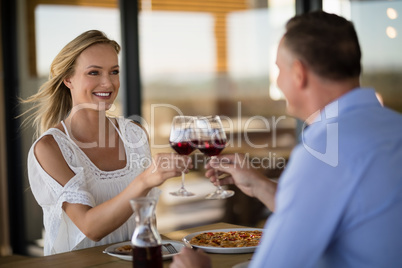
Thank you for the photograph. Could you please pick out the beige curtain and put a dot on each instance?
(5, 248)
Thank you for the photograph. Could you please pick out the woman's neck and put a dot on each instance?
(88, 125)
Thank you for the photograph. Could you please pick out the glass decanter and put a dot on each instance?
(146, 241)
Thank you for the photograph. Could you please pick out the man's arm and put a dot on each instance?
(310, 201)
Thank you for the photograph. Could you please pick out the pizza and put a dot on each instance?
(124, 249)
(231, 239)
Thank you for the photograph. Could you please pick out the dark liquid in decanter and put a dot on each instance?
(147, 257)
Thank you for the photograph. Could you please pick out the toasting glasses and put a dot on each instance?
(211, 140)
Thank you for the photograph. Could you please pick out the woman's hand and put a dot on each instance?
(165, 166)
(191, 258)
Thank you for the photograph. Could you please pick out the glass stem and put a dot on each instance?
(218, 184)
(182, 180)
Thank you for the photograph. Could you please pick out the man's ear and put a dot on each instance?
(300, 74)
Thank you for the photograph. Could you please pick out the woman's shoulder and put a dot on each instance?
(48, 143)
(49, 154)
(45, 144)
(50, 136)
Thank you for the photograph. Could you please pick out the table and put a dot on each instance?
(91, 257)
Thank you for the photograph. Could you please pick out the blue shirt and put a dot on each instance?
(339, 200)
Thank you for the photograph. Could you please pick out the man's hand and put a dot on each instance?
(235, 169)
(191, 258)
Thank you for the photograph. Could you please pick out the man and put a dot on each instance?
(339, 200)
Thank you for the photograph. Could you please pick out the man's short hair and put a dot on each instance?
(326, 43)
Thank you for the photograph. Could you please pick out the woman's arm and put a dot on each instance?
(97, 222)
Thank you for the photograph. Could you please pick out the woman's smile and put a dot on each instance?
(103, 95)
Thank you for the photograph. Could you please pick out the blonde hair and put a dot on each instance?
(53, 101)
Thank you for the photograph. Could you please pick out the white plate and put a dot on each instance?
(223, 250)
(165, 254)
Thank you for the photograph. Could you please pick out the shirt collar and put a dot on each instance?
(349, 101)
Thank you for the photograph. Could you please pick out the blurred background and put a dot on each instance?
(192, 57)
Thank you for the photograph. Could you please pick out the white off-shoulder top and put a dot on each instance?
(90, 186)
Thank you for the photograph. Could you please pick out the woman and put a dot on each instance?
(85, 167)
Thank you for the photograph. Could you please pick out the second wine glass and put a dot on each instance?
(211, 139)
(182, 139)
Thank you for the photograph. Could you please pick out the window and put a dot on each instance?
(214, 57)
(59, 22)
(379, 28)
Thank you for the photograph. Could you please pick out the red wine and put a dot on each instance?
(183, 147)
(213, 147)
(147, 257)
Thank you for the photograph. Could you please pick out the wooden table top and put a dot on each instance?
(95, 257)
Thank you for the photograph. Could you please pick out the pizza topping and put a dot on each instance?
(124, 249)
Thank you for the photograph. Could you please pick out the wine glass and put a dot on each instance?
(182, 139)
(211, 140)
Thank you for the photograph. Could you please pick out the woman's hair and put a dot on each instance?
(53, 101)
(326, 43)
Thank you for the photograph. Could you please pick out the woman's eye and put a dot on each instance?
(93, 73)
(115, 72)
